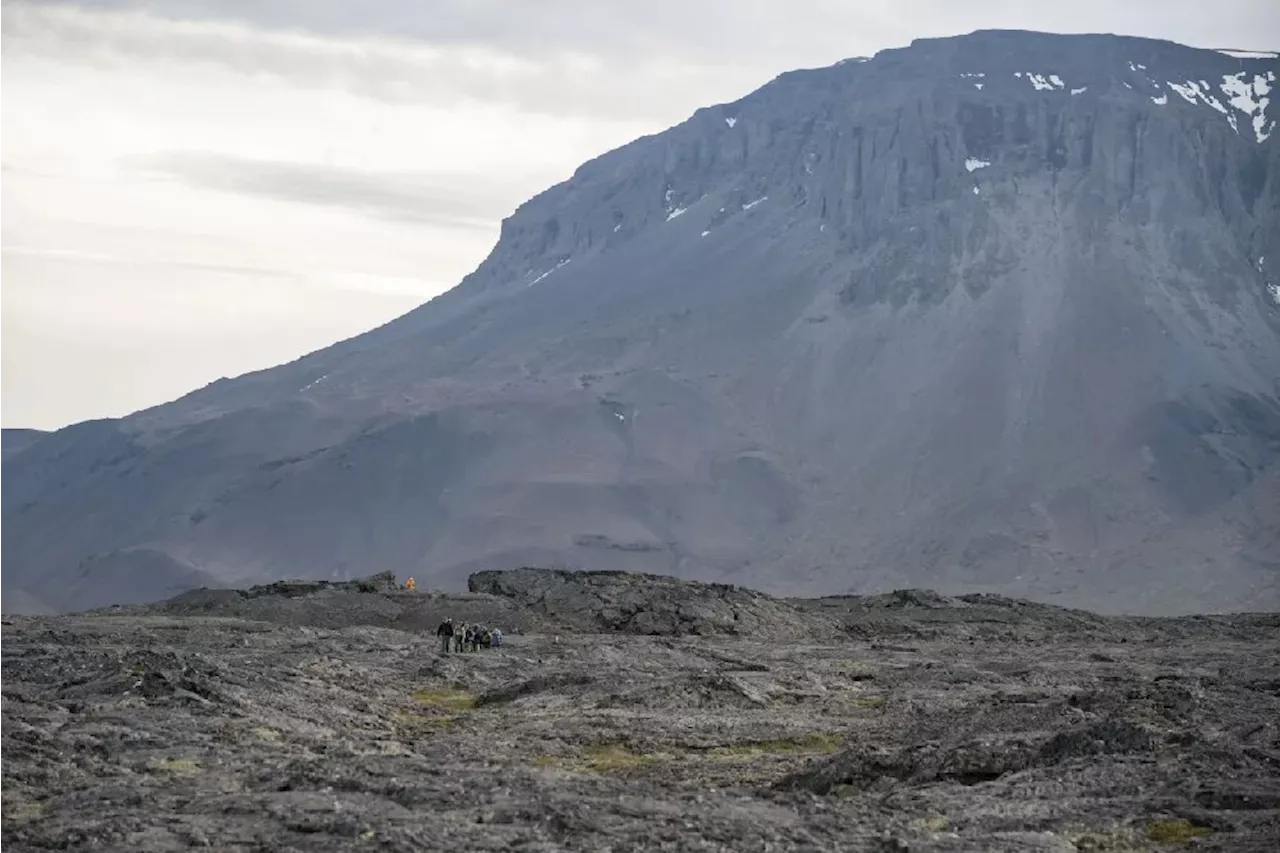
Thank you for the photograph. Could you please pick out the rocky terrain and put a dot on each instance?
(921, 722)
(994, 313)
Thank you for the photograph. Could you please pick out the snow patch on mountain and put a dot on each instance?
(973, 164)
(1251, 99)
(1251, 54)
(1041, 82)
(548, 272)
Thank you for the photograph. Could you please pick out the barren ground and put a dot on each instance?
(154, 732)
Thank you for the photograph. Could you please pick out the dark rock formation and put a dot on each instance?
(623, 602)
(995, 313)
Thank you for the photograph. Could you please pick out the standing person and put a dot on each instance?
(460, 637)
(497, 638)
(445, 634)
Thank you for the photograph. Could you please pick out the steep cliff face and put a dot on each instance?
(984, 313)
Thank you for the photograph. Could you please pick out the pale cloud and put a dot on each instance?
(452, 200)
(198, 188)
(572, 83)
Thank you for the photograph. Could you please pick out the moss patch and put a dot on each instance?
(445, 700)
(931, 824)
(1174, 831)
(811, 743)
(21, 812)
(265, 734)
(174, 766)
(601, 758)
(871, 702)
(415, 722)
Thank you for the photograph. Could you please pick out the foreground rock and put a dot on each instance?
(157, 732)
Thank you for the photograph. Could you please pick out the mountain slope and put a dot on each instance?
(988, 313)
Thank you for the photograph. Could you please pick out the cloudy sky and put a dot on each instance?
(198, 188)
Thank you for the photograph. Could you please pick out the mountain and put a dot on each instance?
(13, 440)
(985, 314)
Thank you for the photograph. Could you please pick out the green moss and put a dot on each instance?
(174, 766)
(813, 742)
(265, 734)
(871, 702)
(418, 722)
(445, 700)
(1174, 831)
(21, 812)
(932, 824)
(601, 758)
(606, 757)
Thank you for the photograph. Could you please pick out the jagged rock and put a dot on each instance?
(631, 603)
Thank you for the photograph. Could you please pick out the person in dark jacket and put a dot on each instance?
(445, 635)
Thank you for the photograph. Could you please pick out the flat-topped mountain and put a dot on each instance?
(994, 313)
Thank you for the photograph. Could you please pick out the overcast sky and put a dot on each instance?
(198, 188)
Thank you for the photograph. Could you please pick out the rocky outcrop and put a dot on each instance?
(376, 600)
(632, 603)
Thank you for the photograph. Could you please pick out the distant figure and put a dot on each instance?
(411, 584)
(445, 633)
(460, 638)
(497, 638)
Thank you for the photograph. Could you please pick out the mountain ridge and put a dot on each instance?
(989, 313)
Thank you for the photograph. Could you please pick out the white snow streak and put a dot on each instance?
(731, 121)
(1251, 54)
(1080, 91)
(752, 204)
(705, 233)
(976, 190)
(978, 86)
(548, 272)
(1039, 82)
(973, 164)
(978, 74)
(1189, 90)
(1160, 101)
(617, 228)
(1055, 80)
(313, 383)
(1274, 290)
(673, 214)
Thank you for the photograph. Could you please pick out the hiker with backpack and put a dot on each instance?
(445, 634)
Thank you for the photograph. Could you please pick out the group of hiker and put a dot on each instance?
(467, 638)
